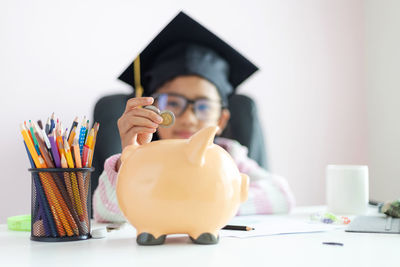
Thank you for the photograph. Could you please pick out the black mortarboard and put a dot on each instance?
(185, 47)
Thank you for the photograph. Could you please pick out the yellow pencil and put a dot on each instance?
(56, 202)
(96, 130)
(76, 151)
(74, 182)
(87, 148)
(60, 147)
(31, 147)
(67, 180)
(39, 162)
(82, 185)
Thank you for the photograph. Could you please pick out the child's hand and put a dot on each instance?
(138, 123)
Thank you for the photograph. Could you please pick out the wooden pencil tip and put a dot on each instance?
(66, 146)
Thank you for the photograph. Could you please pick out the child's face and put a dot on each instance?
(188, 123)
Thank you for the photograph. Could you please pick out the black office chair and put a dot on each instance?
(244, 126)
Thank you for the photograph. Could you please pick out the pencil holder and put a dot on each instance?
(61, 204)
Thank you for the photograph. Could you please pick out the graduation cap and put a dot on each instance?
(184, 47)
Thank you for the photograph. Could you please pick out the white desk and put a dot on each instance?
(120, 249)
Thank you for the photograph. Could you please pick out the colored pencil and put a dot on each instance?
(39, 123)
(52, 123)
(47, 127)
(31, 147)
(74, 181)
(42, 148)
(81, 184)
(49, 223)
(74, 125)
(54, 150)
(61, 207)
(71, 136)
(237, 227)
(96, 129)
(82, 136)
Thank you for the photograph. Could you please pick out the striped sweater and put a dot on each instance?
(268, 193)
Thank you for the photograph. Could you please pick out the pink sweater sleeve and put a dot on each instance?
(105, 204)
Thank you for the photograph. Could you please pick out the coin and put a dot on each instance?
(168, 118)
(153, 108)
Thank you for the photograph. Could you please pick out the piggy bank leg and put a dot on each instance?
(147, 239)
(205, 239)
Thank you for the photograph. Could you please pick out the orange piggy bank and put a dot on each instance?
(188, 186)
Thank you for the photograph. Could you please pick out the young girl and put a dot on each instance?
(194, 82)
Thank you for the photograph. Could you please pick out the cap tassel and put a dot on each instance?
(136, 70)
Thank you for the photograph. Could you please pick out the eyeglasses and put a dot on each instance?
(205, 109)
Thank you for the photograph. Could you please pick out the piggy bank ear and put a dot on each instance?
(198, 144)
(128, 151)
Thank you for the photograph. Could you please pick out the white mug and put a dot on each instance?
(347, 189)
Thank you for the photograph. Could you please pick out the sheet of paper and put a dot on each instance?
(271, 225)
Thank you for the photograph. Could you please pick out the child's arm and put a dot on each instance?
(268, 193)
(136, 125)
(105, 204)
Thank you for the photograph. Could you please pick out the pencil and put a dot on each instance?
(68, 208)
(65, 135)
(74, 125)
(52, 123)
(74, 182)
(96, 129)
(60, 144)
(61, 207)
(57, 203)
(237, 227)
(31, 147)
(39, 163)
(74, 221)
(67, 180)
(42, 147)
(35, 142)
(87, 129)
(41, 200)
(71, 136)
(46, 142)
(40, 124)
(82, 136)
(47, 127)
(54, 150)
(87, 149)
(78, 164)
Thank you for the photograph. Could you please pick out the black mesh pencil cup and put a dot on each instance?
(61, 204)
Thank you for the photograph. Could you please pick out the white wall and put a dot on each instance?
(383, 87)
(63, 55)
